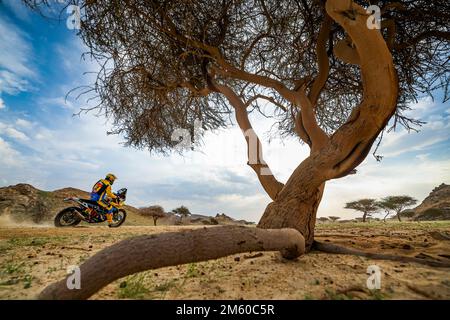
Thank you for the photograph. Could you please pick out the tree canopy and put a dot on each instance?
(160, 60)
(397, 204)
(155, 212)
(182, 211)
(366, 206)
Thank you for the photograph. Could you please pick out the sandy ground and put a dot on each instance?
(32, 257)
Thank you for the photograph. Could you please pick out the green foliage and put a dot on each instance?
(363, 205)
(366, 206)
(154, 212)
(333, 295)
(192, 270)
(11, 266)
(182, 211)
(26, 242)
(27, 281)
(133, 287)
(396, 203)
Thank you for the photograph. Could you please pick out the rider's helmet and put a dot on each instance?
(111, 177)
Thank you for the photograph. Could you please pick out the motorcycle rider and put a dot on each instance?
(102, 194)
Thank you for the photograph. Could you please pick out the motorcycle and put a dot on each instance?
(91, 212)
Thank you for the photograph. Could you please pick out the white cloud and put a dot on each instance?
(23, 123)
(15, 58)
(435, 130)
(9, 156)
(2, 104)
(12, 132)
(16, 134)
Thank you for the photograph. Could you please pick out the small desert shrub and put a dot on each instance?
(12, 267)
(192, 270)
(133, 287)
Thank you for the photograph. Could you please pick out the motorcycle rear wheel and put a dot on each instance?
(67, 217)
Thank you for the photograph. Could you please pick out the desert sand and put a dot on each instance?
(33, 257)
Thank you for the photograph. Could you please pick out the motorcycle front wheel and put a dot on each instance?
(67, 217)
(118, 218)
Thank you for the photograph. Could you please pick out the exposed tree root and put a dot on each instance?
(142, 253)
(336, 249)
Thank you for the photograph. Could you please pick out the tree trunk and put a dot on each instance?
(296, 204)
(364, 216)
(154, 221)
(398, 217)
(384, 219)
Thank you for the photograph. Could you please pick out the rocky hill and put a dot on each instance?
(24, 203)
(436, 206)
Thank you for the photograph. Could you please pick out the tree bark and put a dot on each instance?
(398, 216)
(364, 217)
(297, 203)
(167, 249)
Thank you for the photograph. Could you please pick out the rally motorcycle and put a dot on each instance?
(91, 212)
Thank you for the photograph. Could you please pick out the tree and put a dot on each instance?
(366, 206)
(397, 204)
(182, 211)
(314, 65)
(334, 218)
(323, 219)
(155, 212)
(387, 206)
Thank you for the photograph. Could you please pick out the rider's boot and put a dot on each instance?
(109, 218)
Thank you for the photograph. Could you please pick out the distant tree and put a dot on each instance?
(323, 219)
(397, 204)
(154, 212)
(387, 206)
(334, 218)
(182, 211)
(366, 206)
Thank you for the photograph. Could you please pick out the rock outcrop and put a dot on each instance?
(436, 206)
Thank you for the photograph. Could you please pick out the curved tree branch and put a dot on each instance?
(300, 129)
(315, 133)
(306, 125)
(380, 85)
(142, 253)
(255, 155)
(264, 97)
(322, 60)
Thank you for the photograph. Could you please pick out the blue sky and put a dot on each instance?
(41, 143)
